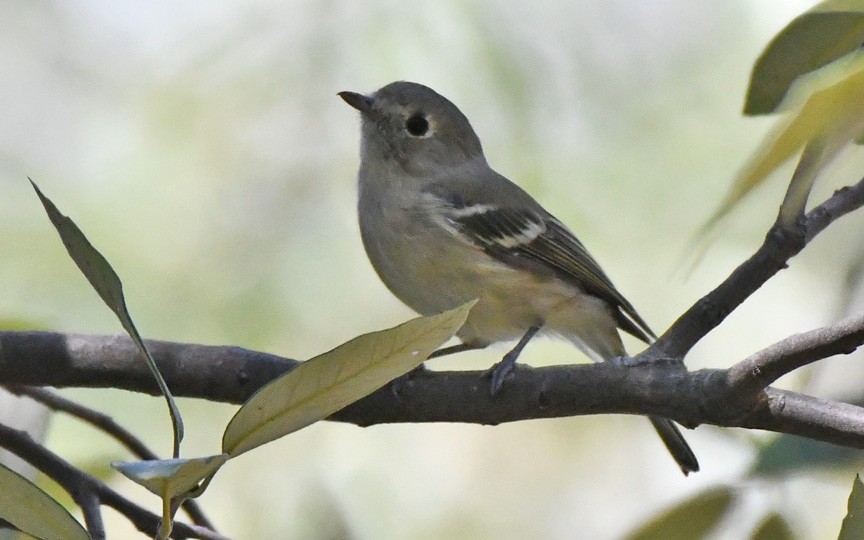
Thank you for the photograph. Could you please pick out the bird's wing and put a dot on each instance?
(535, 240)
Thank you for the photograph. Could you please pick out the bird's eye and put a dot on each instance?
(417, 125)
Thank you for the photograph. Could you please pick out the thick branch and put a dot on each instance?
(233, 374)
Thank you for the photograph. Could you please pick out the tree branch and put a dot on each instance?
(781, 244)
(759, 370)
(107, 424)
(798, 414)
(663, 389)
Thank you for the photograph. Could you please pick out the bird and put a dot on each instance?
(442, 228)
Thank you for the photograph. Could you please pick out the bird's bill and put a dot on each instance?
(358, 101)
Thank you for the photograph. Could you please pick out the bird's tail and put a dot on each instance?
(602, 342)
(676, 444)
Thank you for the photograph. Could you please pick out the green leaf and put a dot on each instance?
(814, 39)
(853, 523)
(173, 480)
(171, 477)
(107, 284)
(773, 527)
(691, 520)
(327, 383)
(788, 454)
(31, 510)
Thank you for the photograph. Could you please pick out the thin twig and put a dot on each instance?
(845, 200)
(781, 244)
(766, 366)
(91, 508)
(83, 487)
(107, 424)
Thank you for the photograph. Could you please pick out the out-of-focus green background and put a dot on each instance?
(202, 148)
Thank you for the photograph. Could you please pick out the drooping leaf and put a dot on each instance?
(327, 383)
(773, 527)
(33, 511)
(812, 40)
(173, 480)
(788, 454)
(170, 477)
(107, 284)
(690, 520)
(853, 523)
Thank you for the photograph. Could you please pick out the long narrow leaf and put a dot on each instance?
(327, 383)
(107, 284)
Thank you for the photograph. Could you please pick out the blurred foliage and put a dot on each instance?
(815, 68)
(817, 37)
(773, 527)
(790, 454)
(690, 520)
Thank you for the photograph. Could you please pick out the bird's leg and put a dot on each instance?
(502, 369)
(453, 349)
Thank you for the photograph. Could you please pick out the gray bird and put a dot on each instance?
(442, 228)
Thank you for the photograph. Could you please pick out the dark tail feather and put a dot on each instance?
(676, 444)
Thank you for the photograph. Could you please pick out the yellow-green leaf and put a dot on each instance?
(33, 511)
(170, 477)
(816, 38)
(327, 383)
(831, 116)
(690, 520)
(853, 523)
(107, 284)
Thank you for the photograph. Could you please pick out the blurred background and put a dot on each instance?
(202, 148)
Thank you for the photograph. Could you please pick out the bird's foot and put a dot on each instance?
(500, 371)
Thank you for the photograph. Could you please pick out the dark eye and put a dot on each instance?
(417, 125)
